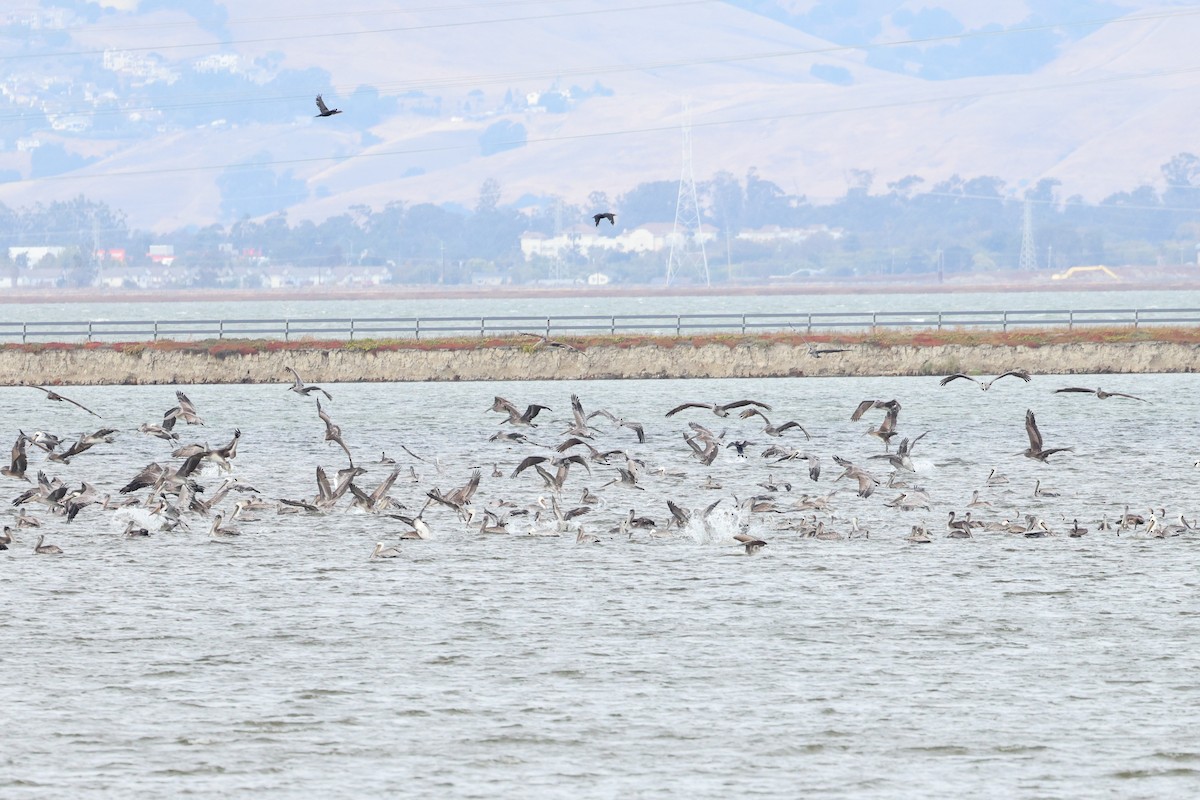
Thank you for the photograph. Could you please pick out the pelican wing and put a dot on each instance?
(683, 406)
(1031, 428)
(955, 376)
(324, 109)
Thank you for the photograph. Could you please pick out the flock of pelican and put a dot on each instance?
(594, 455)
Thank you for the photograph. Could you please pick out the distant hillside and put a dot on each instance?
(197, 112)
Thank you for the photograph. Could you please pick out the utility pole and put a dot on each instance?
(687, 243)
(1028, 262)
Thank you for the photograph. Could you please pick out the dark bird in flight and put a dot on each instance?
(325, 110)
(611, 217)
(52, 395)
(1100, 393)
(1035, 449)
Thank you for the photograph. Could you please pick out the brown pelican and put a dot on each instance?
(324, 110)
(333, 432)
(185, 411)
(86, 442)
(721, 410)
(46, 549)
(1100, 393)
(866, 481)
(55, 396)
(546, 341)
(817, 352)
(585, 538)
(459, 498)
(132, 531)
(918, 535)
(515, 415)
(385, 552)
(1035, 449)
(985, 385)
(995, 478)
(299, 388)
(1038, 491)
(608, 215)
(19, 462)
(219, 531)
(773, 430)
(1075, 532)
(751, 543)
(636, 427)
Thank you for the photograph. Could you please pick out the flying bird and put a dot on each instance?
(1035, 449)
(325, 110)
(1100, 393)
(53, 395)
(985, 385)
(608, 215)
(299, 386)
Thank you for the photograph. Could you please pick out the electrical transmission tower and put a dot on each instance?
(687, 245)
(1028, 262)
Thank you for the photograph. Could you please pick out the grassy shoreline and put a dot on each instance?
(880, 339)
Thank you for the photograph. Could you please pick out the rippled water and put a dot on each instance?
(288, 664)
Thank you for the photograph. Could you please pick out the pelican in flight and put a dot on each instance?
(985, 385)
(721, 410)
(19, 462)
(325, 111)
(55, 396)
(1035, 449)
(1100, 393)
(608, 215)
(300, 388)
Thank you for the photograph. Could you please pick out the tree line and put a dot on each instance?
(908, 226)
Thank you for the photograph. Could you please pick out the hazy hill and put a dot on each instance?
(570, 98)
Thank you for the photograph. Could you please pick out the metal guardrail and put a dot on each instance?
(351, 328)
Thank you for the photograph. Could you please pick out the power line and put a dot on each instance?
(609, 10)
(620, 132)
(604, 69)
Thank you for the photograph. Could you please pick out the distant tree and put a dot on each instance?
(650, 202)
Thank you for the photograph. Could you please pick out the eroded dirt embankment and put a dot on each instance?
(757, 359)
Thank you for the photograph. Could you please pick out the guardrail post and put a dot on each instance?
(874, 320)
(220, 329)
(1070, 320)
(287, 325)
(809, 331)
(743, 324)
(24, 331)
(417, 329)
(939, 321)
(352, 330)
(1135, 319)
(612, 325)
(154, 334)
(482, 327)
(1004, 322)
(678, 325)
(547, 327)
(89, 333)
